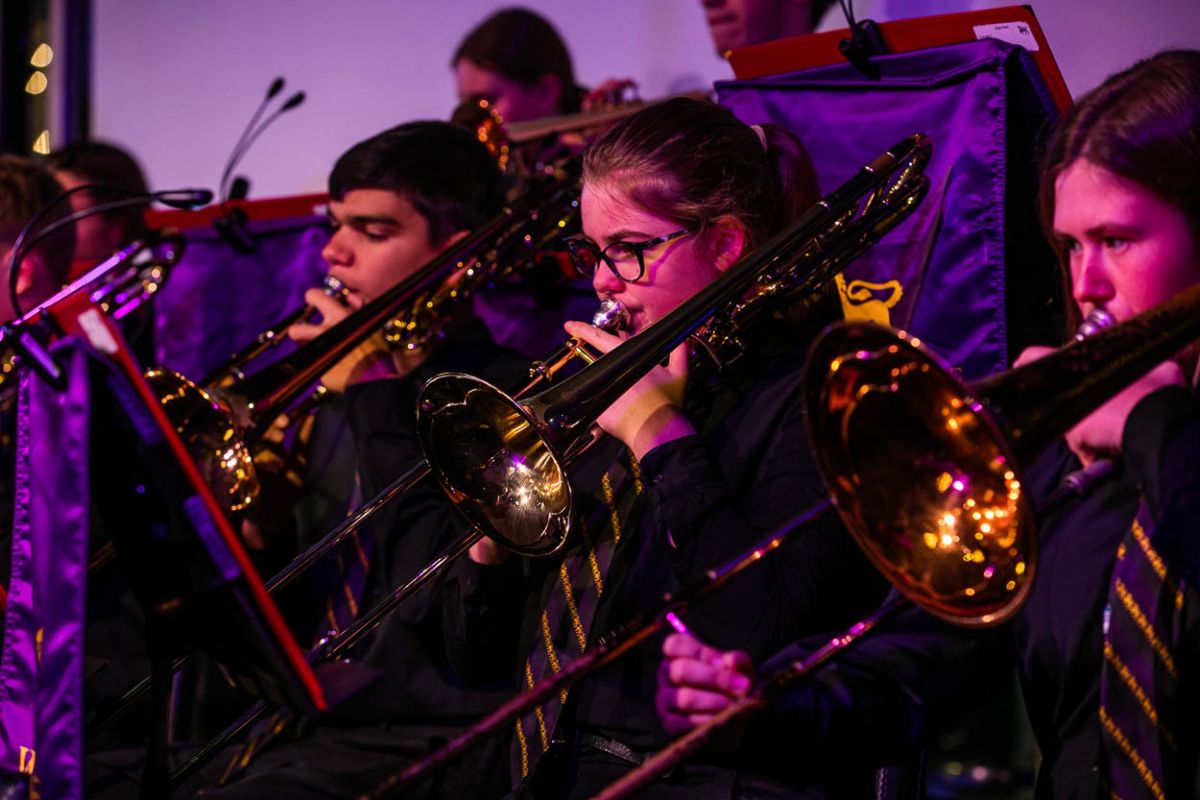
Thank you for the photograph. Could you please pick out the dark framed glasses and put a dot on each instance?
(627, 260)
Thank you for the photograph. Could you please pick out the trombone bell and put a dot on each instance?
(212, 436)
(490, 455)
(958, 541)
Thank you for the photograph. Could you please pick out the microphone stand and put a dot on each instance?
(231, 224)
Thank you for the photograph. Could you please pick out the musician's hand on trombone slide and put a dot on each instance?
(331, 309)
(650, 413)
(374, 359)
(696, 681)
(1099, 435)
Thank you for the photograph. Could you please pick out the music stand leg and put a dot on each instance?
(155, 775)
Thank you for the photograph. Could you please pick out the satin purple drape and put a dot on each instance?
(41, 668)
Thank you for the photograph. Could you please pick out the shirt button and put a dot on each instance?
(657, 480)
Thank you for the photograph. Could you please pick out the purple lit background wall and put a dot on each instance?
(176, 81)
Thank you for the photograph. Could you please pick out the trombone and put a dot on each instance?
(221, 425)
(501, 137)
(526, 441)
(502, 462)
(792, 264)
(958, 538)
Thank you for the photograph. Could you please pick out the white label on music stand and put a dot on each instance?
(97, 331)
(1018, 33)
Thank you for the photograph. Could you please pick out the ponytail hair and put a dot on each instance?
(693, 162)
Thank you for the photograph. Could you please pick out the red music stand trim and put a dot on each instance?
(903, 36)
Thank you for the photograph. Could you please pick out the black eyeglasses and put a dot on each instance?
(627, 260)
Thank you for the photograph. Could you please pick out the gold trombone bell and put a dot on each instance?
(491, 450)
(958, 541)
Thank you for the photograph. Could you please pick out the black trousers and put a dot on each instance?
(324, 763)
(581, 771)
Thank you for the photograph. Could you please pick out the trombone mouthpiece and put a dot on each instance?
(334, 287)
(611, 316)
(1096, 321)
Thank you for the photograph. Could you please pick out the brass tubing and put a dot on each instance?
(234, 368)
(522, 498)
(268, 392)
(1101, 364)
(333, 647)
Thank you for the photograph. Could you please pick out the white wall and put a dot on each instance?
(176, 80)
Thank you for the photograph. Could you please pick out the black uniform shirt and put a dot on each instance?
(710, 497)
(1059, 635)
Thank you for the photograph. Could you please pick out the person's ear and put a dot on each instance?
(727, 240)
(27, 272)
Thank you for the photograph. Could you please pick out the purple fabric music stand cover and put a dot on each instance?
(969, 272)
(41, 666)
(216, 300)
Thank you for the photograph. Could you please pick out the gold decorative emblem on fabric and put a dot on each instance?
(27, 759)
(864, 301)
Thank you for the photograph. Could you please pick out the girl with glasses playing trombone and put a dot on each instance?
(700, 461)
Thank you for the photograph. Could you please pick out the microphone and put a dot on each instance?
(276, 87)
(28, 239)
(231, 224)
(272, 92)
(292, 102)
(239, 188)
(183, 199)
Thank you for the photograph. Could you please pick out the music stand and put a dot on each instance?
(1013, 24)
(187, 567)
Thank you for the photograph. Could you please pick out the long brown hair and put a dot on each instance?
(1142, 124)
